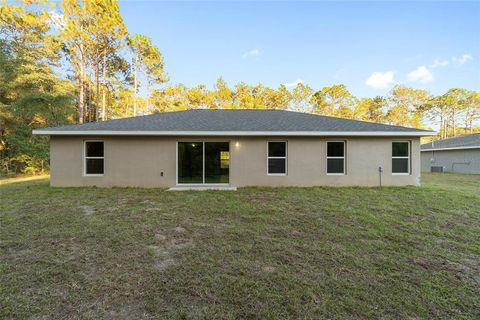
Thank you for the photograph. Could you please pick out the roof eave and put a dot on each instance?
(452, 148)
(233, 133)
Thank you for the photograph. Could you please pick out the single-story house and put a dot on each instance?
(233, 148)
(458, 154)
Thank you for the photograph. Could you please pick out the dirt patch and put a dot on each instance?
(87, 210)
(442, 265)
(160, 237)
(128, 311)
(268, 269)
(168, 244)
(180, 243)
(179, 230)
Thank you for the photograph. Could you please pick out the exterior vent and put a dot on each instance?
(436, 169)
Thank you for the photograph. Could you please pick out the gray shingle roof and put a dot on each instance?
(468, 141)
(200, 120)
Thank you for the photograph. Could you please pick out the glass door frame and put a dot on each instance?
(203, 162)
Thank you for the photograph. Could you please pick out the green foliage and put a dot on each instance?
(41, 41)
(31, 94)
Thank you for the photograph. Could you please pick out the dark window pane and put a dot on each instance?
(335, 149)
(400, 165)
(277, 166)
(400, 149)
(190, 162)
(94, 166)
(277, 149)
(217, 162)
(94, 149)
(335, 165)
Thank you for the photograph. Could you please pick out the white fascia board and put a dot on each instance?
(234, 133)
(446, 149)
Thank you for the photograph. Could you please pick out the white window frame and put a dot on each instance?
(408, 142)
(85, 158)
(344, 158)
(285, 157)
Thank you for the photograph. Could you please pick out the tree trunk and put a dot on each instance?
(148, 95)
(454, 124)
(81, 87)
(441, 126)
(97, 92)
(104, 76)
(135, 66)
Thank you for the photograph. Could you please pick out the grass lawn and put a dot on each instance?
(256, 253)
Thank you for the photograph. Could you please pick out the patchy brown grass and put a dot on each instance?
(256, 253)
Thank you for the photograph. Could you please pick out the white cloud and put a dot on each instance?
(463, 59)
(439, 63)
(380, 80)
(293, 84)
(251, 53)
(421, 74)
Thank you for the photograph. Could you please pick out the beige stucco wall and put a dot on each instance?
(139, 161)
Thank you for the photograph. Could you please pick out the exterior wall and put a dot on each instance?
(140, 161)
(459, 161)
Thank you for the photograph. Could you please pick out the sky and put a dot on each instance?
(368, 46)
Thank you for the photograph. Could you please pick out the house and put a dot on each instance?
(458, 154)
(233, 148)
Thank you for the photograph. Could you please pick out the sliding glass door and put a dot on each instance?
(190, 162)
(203, 162)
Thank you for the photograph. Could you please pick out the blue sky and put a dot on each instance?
(368, 46)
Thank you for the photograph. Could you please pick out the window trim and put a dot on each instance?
(403, 157)
(285, 157)
(85, 174)
(344, 158)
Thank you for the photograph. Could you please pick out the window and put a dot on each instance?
(203, 162)
(401, 157)
(94, 158)
(277, 158)
(336, 157)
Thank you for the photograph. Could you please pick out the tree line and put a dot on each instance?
(75, 61)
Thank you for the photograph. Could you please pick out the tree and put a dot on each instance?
(334, 101)
(170, 98)
(74, 35)
(471, 110)
(222, 96)
(456, 100)
(369, 109)
(301, 98)
(92, 31)
(31, 94)
(406, 106)
(435, 111)
(277, 99)
(198, 97)
(109, 36)
(147, 57)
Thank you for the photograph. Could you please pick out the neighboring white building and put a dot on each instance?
(458, 154)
